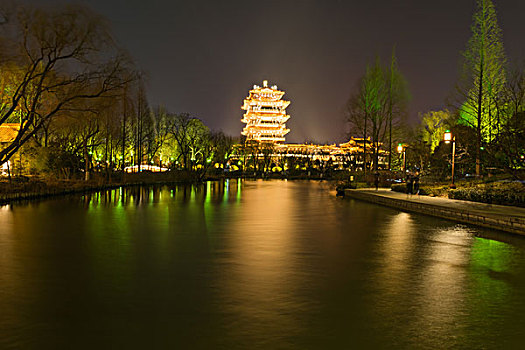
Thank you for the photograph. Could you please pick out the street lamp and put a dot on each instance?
(448, 138)
(402, 149)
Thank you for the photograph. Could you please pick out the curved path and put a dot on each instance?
(500, 217)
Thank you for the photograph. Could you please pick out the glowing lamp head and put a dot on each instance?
(399, 148)
(447, 136)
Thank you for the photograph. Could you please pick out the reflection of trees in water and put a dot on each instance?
(496, 275)
(214, 192)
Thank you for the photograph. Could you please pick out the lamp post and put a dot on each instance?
(402, 149)
(448, 138)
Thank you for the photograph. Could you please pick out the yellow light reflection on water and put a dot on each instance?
(396, 248)
(262, 239)
(443, 278)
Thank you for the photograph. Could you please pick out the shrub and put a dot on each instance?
(56, 162)
(402, 187)
(508, 194)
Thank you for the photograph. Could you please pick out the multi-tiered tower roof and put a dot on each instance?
(265, 115)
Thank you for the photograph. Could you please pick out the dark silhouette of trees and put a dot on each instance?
(398, 98)
(507, 150)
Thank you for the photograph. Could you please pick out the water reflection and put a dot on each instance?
(233, 264)
(212, 191)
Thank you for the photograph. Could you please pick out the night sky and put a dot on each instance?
(202, 57)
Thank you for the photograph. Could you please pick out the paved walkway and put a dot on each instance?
(482, 208)
(506, 218)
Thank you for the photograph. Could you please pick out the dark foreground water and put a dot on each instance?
(251, 265)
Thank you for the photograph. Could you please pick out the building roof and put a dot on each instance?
(8, 132)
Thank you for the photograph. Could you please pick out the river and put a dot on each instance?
(249, 265)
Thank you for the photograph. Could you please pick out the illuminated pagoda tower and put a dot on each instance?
(265, 115)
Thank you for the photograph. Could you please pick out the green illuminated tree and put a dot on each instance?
(377, 108)
(434, 125)
(483, 78)
(367, 109)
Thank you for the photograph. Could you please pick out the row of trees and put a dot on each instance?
(378, 107)
(81, 102)
(495, 144)
(487, 110)
(488, 106)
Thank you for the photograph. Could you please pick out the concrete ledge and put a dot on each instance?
(507, 223)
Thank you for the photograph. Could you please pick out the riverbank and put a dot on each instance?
(38, 188)
(499, 217)
(504, 192)
(29, 188)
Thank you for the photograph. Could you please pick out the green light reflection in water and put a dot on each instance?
(134, 262)
(490, 263)
(226, 189)
(239, 190)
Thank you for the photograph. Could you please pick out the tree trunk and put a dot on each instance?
(364, 148)
(86, 162)
(478, 136)
(123, 165)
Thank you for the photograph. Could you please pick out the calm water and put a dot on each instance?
(249, 265)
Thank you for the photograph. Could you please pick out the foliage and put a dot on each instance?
(497, 193)
(378, 104)
(54, 58)
(397, 102)
(507, 150)
(424, 189)
(483, 78)
(434, 125)
(57, 162)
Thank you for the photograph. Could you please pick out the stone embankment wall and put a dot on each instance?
(504, 223)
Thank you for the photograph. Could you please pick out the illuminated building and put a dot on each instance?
(265, 120)
(8, 134)
(349, 154)
(265, 115)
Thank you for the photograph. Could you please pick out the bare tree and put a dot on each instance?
(508, 148)
(54, 58)
(366, 110)
(190, 136)
(397, 101)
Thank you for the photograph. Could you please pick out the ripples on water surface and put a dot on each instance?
(255, 264)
